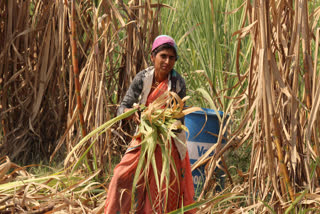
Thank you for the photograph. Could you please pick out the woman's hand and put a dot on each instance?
(135, 117)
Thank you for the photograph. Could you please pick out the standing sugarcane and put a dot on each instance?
(76, 72)
(76, 67)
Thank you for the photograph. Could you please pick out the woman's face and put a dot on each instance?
(163, 62)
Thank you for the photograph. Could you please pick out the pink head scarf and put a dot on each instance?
(164, 39)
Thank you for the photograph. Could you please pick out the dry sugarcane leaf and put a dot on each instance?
(62, 139)
(237, 9)
(315, 64)
(276, 73)
(245, 31)
(203, 159)
(316, 16)
(99, 209)
(248, 209)
(117, 13)
(313, 113)
(43, 76)
(151, 5)
(4, 167)
(176, 98)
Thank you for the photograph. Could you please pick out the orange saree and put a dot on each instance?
(119, 193)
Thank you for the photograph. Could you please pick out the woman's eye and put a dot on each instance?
(164, 56)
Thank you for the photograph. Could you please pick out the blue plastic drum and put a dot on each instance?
(199, 144)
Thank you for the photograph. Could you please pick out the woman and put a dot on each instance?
(144, 89)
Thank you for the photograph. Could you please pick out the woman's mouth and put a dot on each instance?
(164, 67)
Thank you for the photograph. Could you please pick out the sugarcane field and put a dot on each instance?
(160, 106)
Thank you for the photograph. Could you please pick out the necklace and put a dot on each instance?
(155, 83)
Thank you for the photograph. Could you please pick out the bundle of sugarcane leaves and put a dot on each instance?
(159, 126)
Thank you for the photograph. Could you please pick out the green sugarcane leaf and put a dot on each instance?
(269, 207)
(202, 202)
(83, 156)
(165, 173)
(141, 163)
(104, 127)
(155, 171)
(208, 97)
(296, 201)
(152, 144)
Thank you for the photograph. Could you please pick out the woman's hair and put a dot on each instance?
(163, 47)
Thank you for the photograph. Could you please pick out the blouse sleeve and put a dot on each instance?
(181, 92)
(133, 93)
